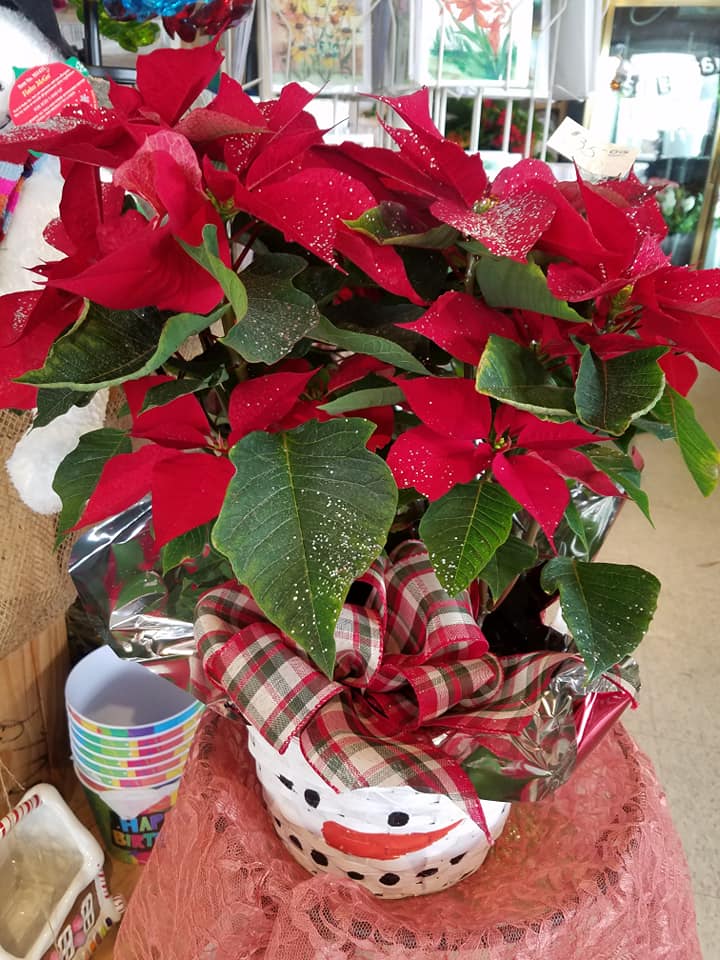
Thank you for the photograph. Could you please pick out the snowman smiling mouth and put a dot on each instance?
(380, 846)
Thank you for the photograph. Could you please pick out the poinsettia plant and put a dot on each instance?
(327, 348)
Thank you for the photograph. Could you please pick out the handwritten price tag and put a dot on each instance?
(603, 160)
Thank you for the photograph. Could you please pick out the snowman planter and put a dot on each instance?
(394, 841)
(376, 773)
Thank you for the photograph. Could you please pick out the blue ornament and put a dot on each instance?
(145, 9)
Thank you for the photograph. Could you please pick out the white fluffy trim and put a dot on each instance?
(39, 453)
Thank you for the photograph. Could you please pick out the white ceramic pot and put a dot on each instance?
(396, 842)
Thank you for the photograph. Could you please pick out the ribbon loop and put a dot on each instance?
(414, 692)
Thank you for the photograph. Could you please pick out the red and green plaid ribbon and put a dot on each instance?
(414, 691)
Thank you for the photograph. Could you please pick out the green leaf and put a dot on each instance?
(392, 224)
(576, 525)
(278, 314)
(463, 529)
(78, 474)
(364, 399)
(621, 470)
(163, 393)
(513, 374)
(107, 347)
(490, 779)
(140, 583)
(697, 449)
(510, 560)
(607, 607)
(185, 547)
(649, 424)
(386, 350)
(208, 256)
(104, 347)
(507, 283)
(305, 514)
(610, 394)
(53, 403)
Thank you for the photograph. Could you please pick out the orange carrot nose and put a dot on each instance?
(379, 846)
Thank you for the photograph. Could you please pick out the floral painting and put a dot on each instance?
(475, 41)
(321, 42)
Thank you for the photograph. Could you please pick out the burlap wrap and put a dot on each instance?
(34, 584)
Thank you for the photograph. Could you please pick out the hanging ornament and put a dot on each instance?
(141, 10)
(206, 19)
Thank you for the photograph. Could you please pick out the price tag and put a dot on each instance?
(43, 92)
(603, 160)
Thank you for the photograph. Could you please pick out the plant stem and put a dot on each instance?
(469, 282)
(99, 194)
(529, 537)
(531, 533)
(254, 231)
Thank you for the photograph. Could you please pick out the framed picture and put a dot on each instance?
(473, 42)
(319, 43)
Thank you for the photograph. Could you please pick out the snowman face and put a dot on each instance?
(397, 842)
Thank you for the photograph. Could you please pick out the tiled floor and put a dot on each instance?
(678, 721)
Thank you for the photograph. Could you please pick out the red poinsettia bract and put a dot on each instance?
(278, 400)
(183, 467)
(183, 463)
(460, 438)
(128, 259)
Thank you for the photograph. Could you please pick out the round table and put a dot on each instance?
(596, 872)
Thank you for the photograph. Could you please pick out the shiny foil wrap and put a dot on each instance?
(142, 606)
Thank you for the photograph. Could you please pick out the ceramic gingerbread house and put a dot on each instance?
(54, 900)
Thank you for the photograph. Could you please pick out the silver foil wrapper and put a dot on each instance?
(145, 614)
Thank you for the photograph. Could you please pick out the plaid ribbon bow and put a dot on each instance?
(414, 689)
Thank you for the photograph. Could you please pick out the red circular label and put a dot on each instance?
(43, 92)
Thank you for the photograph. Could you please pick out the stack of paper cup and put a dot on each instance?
(130, 732)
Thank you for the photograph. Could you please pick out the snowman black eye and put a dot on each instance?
(397, 819)
(389, 879)
(312, 798)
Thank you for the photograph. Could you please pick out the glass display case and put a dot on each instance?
(657, 90)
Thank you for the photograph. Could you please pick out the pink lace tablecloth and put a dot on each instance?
(595, 873)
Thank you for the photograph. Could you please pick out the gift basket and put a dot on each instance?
(382, 412)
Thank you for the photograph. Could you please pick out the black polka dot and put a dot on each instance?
(389, 879)
(319, 858)
(430, 872)
(277, 821)
(457, 859)
(295, 840)
(285, 782)
(312, 798)
(398, 819)
(354, 875)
